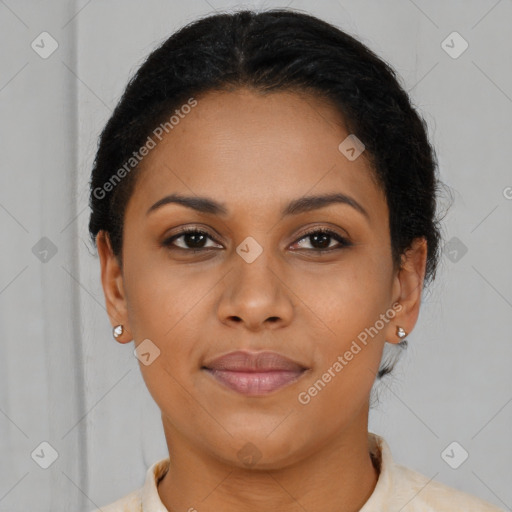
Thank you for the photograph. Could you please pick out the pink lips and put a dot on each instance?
(254, 373)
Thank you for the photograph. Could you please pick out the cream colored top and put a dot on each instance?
(398, 489)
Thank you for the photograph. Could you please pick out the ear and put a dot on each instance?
(113, 288)
(407, 289)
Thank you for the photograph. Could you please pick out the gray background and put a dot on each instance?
(64, 380)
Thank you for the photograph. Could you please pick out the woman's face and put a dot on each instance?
(260, 279)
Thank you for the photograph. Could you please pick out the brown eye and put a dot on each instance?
(321, 239)
(193, 239)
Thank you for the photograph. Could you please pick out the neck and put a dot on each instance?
(340, 474)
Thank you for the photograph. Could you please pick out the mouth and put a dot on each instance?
(256, 373)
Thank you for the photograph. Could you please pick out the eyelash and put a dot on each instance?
(342, 240)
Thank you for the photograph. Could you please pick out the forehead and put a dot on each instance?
(250, 149)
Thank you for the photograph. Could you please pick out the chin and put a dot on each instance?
(257, 448)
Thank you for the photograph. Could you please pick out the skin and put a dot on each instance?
(255, 153)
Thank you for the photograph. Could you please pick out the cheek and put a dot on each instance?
(350, 309)
(348, 355)
(168, 307)
(164, 307)
(351, 295)
(160, 294)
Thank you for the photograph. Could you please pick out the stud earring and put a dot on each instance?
(117, 331)
(400, 332)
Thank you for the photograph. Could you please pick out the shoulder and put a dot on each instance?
(417, 492)
(145, 498)
(402, 488)
(130, 503)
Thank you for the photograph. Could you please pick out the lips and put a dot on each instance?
(254, 373)
(243, 361)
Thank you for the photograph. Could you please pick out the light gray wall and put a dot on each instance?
(64, 380)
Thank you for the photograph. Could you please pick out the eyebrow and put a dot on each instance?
(300, 205)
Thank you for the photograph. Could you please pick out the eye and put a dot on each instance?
(193, 240)
(321, 240)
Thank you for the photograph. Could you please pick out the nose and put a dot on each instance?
(255, 295)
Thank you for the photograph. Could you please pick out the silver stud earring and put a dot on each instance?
(400, 332)
(118, 330)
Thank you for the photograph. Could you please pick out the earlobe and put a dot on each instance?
(113, 287)
(408, 288)
(120, 334)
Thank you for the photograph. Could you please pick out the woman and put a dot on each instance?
(264, 207)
